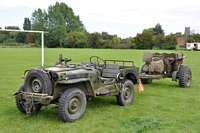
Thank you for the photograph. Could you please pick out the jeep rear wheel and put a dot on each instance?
(22, 108)
(72, 105)
(126, 96)
(38, 82)
(184, 76)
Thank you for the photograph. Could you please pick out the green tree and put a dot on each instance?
(12, 34)
(39, 20)
(55, 36)
(144, 40)
(9, 36)
(3, 37)
(107, 36)
(12, 27)
(55, 17)
(27, 24)
(72, 21)
(196, 37)
(170, 42)
(190, 39)
(107, 40)
(94, 40)
(158, 41)
(158, 29)
(129, 40)
(179, 34)
(21, 37)
(150, 30)
(116, 40)
(30, 37)
(75, 39)
(58, 14)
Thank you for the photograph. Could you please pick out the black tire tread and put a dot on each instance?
(182, 76)
(47, 89)
(120, 99)
(20, 106)
(62, 103)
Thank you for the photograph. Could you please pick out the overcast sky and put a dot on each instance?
(124, 18)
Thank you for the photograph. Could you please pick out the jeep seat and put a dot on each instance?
(110, 72)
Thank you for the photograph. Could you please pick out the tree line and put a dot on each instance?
(65, 29)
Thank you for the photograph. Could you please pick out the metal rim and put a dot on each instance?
(74, 106)
(188, 78)
(127, 93)
(36, 85)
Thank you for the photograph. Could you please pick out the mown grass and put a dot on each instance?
(163, 107)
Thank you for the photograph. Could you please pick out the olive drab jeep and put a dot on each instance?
(69, 86)
(163, 65)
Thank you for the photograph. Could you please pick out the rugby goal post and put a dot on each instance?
(42, 40)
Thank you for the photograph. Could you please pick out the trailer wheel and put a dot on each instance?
(38, 82)
(126, 96)
(72, 105)
(184, 76)
(21, 107)
(145, 81)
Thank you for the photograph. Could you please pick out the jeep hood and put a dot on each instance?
(59, 69)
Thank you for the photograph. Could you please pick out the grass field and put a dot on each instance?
(163, 107)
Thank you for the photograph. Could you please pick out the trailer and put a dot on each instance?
(163, 65)
(190, 46)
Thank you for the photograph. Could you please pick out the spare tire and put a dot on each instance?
(37, 81)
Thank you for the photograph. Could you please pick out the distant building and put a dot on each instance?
(187, 31)
(181, 40)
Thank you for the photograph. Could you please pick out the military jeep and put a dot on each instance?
(163, 65)
(69, 86)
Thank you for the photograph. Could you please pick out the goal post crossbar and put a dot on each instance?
(42, 40)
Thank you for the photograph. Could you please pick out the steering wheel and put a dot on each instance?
(101, 66)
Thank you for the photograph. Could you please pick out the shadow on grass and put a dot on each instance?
(45, 114)
(163, 84)
(51, 112)
(99, 102)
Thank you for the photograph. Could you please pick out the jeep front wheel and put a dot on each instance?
(72, 105)
(126, 96)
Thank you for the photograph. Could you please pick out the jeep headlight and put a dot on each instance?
(55, 77)
(119, 77)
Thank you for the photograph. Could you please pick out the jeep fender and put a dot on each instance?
(82, 83)
(132, 75)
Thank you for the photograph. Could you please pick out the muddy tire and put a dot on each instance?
(72, 105)
(20, 104)
(38, 82)
(126, 96)
(184, 77)
(145, 81)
